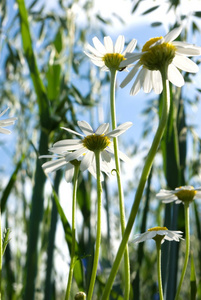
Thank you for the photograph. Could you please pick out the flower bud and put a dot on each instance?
(80, 296)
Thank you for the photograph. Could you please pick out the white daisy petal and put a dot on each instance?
(124, 157)
(130, 59)
(76, 154)
(108, 44)
(6, 122)
(85, 127)
(95, 52)
(63, 148)
(131, 47)
(137, 84)
(54, 165)
(94, 57)
(190, 51)
(98, 63)
(157, 82)
(185, 64)
(173, 34)
(104, 68)
(175, 76)
(106, 156)
(98, 45)
(119, 130)
(119, 45)
(102, 129)
(147, 85)
(130, 75)
(69, 172)
(5, 131)
(68, 142)
(87, 161)
(72, 131)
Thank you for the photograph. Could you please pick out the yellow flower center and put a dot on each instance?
(186, 195)
(157, 228)
(96, 142)
(157, 56)
(112, 60)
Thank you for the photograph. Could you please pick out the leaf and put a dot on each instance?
(10, 184)
(197, 14)
(5, 239)
(155, 24)
(53, 79)
(150, 10)
(193, 279)
(104, 21)
(33, 68)
(58, 41)
(135, 7)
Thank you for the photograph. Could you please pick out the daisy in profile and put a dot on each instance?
(108, 55)
(71, 152)
(182, 194)
(6, 122)
(156, 53)
(162, 232)
(159, 235)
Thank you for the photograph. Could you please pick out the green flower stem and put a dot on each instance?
(187, 232)
(72, 263)
(1, 254)
(160, 287)
(143, 179)
(98, 230)
(120, 189)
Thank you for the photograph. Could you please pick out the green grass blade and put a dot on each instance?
(42, 99)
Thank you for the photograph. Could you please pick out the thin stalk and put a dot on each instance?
(187, 232)
(160, 287)
(98, 230)
(143, 179)
(72, 263)
(120, 189)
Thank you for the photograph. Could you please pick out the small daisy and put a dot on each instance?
(162, 232)
(109, 56)
(83, 149)
(182, 194)
(155, 54)
(6, 122)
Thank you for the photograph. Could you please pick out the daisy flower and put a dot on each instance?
(83, 149)
(6, 122)
(183, 194)
(109, 56)
(159, 232)
(156, 53)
